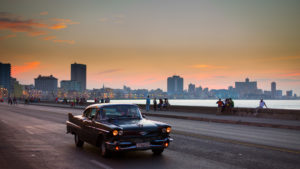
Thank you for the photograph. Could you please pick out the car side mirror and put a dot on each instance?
(144, 116)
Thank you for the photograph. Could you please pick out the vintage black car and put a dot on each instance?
(118, 127)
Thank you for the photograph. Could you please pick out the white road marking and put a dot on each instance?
(28, 131)
(100, 164)
(4, 121)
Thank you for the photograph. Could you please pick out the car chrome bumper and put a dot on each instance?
(123, 146)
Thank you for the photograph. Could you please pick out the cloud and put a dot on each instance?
(203, 66)
(33, 27)
(44, 13)
(62, 23)
(109, 71)
(291, 75)
(37, 33)
(16, 70)
(17, 25)
(58, 26)
(49, 37)
(71, 42)
(7, 36)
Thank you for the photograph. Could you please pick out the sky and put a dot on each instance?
(139, 43)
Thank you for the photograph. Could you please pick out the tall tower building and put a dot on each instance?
(78, 73)
(273, 89)
(175, 85)
(5, 71)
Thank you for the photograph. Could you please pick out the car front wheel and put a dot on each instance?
(157, 151)
(78, 141)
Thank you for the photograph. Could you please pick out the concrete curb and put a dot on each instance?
(200, 119)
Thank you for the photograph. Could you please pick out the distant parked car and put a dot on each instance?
(118, 127)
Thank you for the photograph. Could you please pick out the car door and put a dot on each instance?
(85, 125)
(89, 126)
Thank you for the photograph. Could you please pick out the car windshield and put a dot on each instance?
(120, 112)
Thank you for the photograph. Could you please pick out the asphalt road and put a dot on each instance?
(35, 137)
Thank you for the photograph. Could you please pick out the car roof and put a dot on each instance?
(99, 105)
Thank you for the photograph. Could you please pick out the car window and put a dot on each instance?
(120, 111)
(93, 113)
(86, 113)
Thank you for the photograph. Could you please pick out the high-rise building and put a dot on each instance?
(289, 93)
(70, 85)
(175, 85)
(279, 93)
(192, 88)
(78, 73)
(45, 83)
(273, 89)
(5, 71)
(247, 88)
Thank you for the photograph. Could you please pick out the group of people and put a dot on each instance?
(12, 101)
(228, 104)
(72, 102)
(162, 104)
(16, 100)
(225, 106)
(102, 100)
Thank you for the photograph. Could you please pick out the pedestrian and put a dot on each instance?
(160, 103)
(220, 105)
(154, 104)
(148, 103)
(14, 100)
(166, 104)
(102, 100)
(107, 100)
(262, 104)
(10, 101)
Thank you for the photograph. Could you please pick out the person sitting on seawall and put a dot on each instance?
(261, 106)
(166, 104)
(225, 106)
(160, 103)
(220, 105)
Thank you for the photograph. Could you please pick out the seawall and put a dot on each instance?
(265, 113)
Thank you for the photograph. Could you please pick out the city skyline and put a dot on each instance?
(175, 86)
(135, 43)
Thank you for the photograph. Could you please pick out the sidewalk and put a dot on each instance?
(230, 119)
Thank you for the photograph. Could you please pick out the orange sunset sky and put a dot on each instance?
(140, 43)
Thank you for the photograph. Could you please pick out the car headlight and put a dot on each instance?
(168, 129)
(121, 132)
(115, 132)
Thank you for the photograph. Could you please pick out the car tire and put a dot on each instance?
(157, 151)
(78, 141)
(104, 151)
